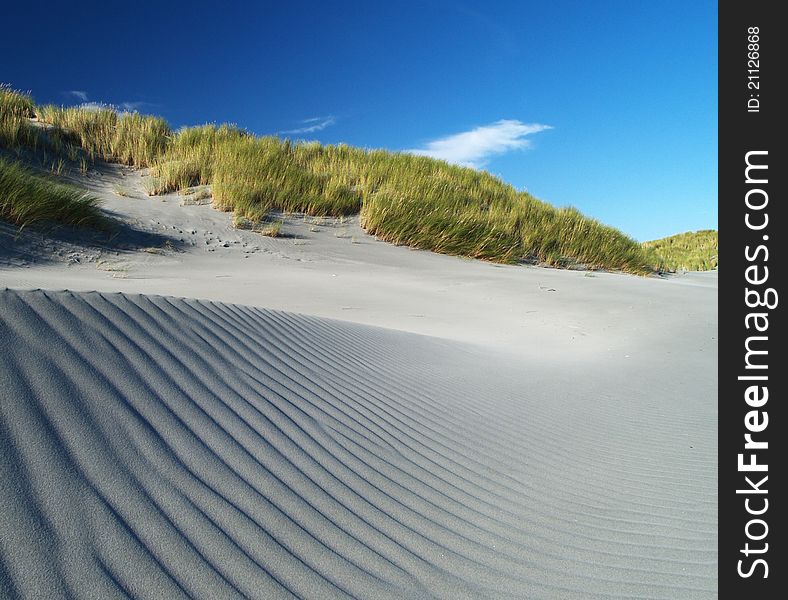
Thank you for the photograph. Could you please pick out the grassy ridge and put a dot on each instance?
(410, 200)
(27, 198)
(690, 251)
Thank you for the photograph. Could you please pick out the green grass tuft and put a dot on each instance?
(27, 198)
(105, 134)
(690, 251)
(191, 156)
(16, 109)
(16, 103)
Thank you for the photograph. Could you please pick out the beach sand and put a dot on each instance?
(328, 415)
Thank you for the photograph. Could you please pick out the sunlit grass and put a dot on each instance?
(191, 156)
(16, 103)
(690, 251)
(16, 109)
(126, 138)
(404, 199)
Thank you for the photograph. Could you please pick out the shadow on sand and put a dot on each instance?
(51, 243)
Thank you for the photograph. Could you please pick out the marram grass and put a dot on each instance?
(404, 199)
(127, 138)
(27, 198)
(191, 156)
(16, 109)
(16, 103)
(690, 251)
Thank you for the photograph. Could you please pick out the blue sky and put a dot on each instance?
(610, 106)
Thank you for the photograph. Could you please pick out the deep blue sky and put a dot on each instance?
(629, 88)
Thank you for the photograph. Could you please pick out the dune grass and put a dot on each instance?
(272, 229)
(191, 157)
(19, 133)
(404, 199)
(15, 102)
(16, 108)
(690, 251)
(27, 198)
(104, 133)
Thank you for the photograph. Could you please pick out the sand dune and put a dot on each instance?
(153, 447)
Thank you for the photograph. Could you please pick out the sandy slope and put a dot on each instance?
(555, 437)
(162, 448)
(333, 269)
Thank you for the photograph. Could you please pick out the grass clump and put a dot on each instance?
(27, 198)
(272, 229)
(16, 109)
(80, 132)
(16, 103)
(122, 191)
(254, 176)
(269, 228)
(191, 156)
(195, 196)
(690, 251)
(104, 133)
(150, 185)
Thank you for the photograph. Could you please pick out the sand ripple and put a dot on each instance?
(153, 447)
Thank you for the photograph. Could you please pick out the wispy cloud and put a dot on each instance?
(122, 106)
(132, 106)
(93, 106)
(88, 104)
(78, 94)
(475, 147)
(311, 125)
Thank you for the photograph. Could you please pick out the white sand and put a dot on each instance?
(555, 438)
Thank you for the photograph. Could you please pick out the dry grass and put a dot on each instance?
(122, 137)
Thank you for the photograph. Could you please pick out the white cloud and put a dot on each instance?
(132, 106)
(475, 147)
(311, 125)
(122, 107)
(88, 104)
(78, 94)
(93, 106)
